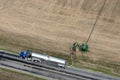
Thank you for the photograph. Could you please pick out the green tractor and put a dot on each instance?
(84, 47)
(75, 46)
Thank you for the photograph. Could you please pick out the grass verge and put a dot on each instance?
(106, 67)
(8, 73)
(110, 68)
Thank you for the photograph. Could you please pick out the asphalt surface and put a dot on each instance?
(39, 71)
(25, 72)
(53, 72)
(9, 61)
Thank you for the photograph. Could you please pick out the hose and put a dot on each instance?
(97, 18)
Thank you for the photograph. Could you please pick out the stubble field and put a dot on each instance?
(54, 25)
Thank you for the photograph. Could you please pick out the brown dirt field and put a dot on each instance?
(53, 26)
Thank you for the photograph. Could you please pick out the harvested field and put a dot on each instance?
(53, 26)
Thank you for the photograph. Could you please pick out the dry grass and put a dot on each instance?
(6, 74)
(53, 25)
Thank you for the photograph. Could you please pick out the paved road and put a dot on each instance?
(79, 72)
(32, 74)
(38, 71)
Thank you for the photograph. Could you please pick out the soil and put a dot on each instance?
(54, 25)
